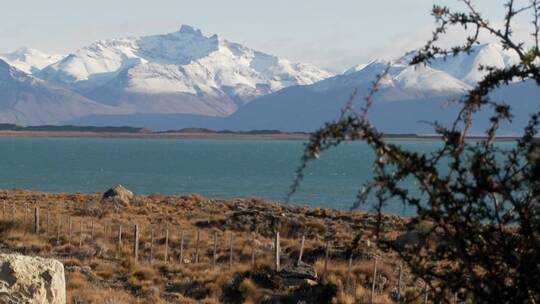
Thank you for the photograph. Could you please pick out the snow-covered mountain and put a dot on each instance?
(408, 95)
(30, 60)
(187, 79)
(180, 72)
(27, 100)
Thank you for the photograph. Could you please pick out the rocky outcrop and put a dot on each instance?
(118, 194)
(32, 280)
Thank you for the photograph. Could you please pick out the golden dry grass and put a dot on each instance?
(98, 270)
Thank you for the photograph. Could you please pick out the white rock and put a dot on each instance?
(25, 279)
(119, 194)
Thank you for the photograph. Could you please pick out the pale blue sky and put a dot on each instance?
(334, 34)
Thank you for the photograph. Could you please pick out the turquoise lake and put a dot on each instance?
(213, 168)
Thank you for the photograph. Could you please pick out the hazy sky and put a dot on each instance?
(334, 34)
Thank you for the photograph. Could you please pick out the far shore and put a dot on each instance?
(202, 135)
(157, 135)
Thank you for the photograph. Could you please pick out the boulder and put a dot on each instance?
(408, 239)
(25, 279)
(299, 271)
(119, 194)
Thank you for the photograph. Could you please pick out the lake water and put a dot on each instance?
(213, 168)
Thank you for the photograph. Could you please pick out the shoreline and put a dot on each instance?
(171, 135)
(200, 135)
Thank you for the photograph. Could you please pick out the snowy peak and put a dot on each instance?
(408, 80)
(30, 60)
(186, 62)
(442, 76)
(10, 75)
(424, 78)
(466, 67)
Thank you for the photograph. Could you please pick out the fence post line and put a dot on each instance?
(374, 281)
(277, 251)
(399, 283)
(182, 246)
(36, 220)
(197, 248)
(165, 258)
(135, 242)
(301, 249)
(214, 257)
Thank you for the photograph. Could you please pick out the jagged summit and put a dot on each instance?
(188, 29)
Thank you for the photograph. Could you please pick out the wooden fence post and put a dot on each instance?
(214, 257)
(136, 242)
(277, 251)
(374, 280)
(58, 228)
(165, 258)
(4, 208)
(36, 220)
(182, 246)
(47, 229)
(231, 239)
(26, 224)
(349, 270)
(70, 227)
(81, 233)
(197, 248)
(151, 245)
(399, 284)
(301, 249)
(92, 231)
(119, 252)
(326, 254)
(253, 250)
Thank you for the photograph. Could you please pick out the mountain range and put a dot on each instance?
(186, 79)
